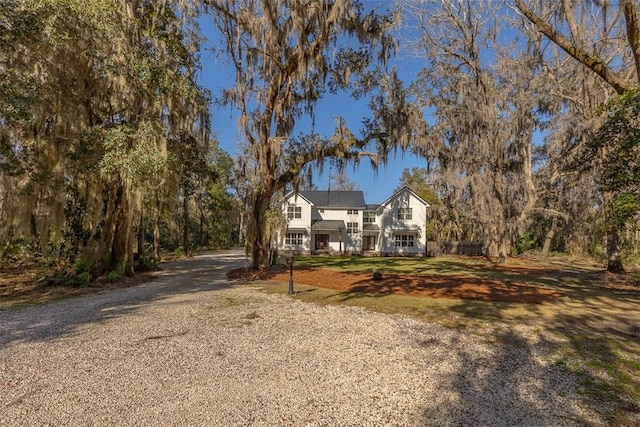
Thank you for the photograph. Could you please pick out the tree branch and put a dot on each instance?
(633, 30)
(589, 60)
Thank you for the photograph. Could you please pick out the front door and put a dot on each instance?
(322, 242)
(369, 243)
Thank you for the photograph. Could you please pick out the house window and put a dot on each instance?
(352, 211)
(405, 213)
(352, 228)
(404, 240)
(293, 239)
(294, 212)
(369, 217)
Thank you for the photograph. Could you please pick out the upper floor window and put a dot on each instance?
(352, 211)
(369, 217)
(294, 212)
(352, 228)
(405, 213)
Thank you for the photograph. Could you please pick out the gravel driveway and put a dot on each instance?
(190, 348)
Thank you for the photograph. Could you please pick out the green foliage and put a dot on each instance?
(78, 278)
(83, 279)
(17, 250)
(89, 94)
(525, 242)
(147, 263)
(179, 252)
(420, 180)
(618, 140)
(81, 265)
(132, 153)
(113, 276)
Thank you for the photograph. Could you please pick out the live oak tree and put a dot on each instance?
(604, 37)
(91, 90)
(481, 87)
(285, 55)
(568, 217)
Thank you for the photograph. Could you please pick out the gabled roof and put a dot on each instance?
(405, 188)
(294, 195)
(335, 199)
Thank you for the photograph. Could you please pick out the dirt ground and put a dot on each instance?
(27, 284)
(456, 287)
(32, 284)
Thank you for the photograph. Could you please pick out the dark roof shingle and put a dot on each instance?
(335, 199)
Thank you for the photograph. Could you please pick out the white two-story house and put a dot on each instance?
(340, 222)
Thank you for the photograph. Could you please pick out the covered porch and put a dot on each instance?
(327, 236)
(370, 238)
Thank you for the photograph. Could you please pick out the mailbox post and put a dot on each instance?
(289, 262)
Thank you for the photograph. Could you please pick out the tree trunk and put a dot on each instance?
(260, 248)
(201, 241)
(156, 229)
(504, 249)
(35, 235)
(614, 260)
(141, 235)
(122, 245)
(549, 237)
(185, 223)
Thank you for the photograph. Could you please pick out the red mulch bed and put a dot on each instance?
(454, 287)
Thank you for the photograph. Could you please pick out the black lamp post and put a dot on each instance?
(289, 262)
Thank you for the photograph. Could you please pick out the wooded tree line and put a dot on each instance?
(525, 113)
(105, 134)
(532, 143)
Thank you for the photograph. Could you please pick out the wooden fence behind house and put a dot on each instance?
(455, 248)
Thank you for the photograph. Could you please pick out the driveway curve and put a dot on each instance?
(191, 348)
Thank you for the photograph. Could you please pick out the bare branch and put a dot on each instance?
(588, 59)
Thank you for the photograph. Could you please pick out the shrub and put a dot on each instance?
(113, 276)
(147, 263)
(82, 279)
(179, 252)
(81, 265)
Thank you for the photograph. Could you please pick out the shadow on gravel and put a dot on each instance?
(598, 343)
(506, 386)
(54, 320)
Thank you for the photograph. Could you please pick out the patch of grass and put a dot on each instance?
(609, 368)
(411, 265)
(425, 308)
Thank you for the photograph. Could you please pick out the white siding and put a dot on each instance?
(386, 219)
(297, 225)
(391, 225)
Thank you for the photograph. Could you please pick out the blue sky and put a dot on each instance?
(377, 186)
